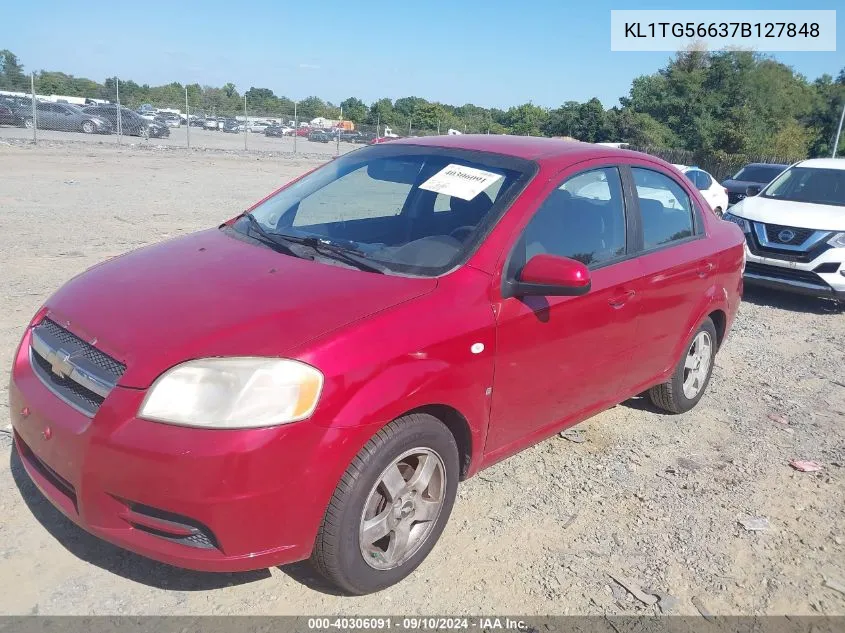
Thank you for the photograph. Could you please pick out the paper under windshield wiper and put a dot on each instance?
(327, 248)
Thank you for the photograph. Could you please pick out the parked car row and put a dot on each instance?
(90, 119)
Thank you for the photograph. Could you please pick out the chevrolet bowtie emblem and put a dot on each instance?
(60, 363)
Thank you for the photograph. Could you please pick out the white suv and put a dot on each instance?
(795, 229)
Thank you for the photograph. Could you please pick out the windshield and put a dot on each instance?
(759, 173)
(411, 209)
(804, 184)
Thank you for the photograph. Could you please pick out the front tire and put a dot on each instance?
(390, 506)
(692, 375)
(28, 123)
(718, 211)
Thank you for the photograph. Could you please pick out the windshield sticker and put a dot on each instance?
(460, 181)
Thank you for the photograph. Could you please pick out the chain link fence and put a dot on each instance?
(195, 118)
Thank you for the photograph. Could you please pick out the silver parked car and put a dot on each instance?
(68, 118)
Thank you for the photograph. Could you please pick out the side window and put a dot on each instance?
(583, 219)
(664, 206)
(700, 179)
(355, 196)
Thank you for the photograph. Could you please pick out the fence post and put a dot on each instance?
(117, 112)
(295, 127)
(187, 118)
(34, 112)
(246, 124)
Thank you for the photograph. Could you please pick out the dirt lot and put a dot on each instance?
(650, 497)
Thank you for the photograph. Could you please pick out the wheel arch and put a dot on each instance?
(458, 426)
(713, 304)
(720, 321)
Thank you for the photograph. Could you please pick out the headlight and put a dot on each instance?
(837, 241)
(742, 223)
(234, 393)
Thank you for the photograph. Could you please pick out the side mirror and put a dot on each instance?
(551, 276)
(753, 190)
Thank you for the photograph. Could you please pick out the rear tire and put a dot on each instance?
(390, 506)
(88, 127)
(692, 375)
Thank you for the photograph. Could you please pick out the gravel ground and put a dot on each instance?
(648, 500)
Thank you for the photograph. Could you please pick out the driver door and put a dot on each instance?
(559, 357)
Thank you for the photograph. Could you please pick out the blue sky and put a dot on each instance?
(491, 53)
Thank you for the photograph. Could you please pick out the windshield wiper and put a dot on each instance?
(327, 248)
(273, 240)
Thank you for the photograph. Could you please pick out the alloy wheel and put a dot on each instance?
(697, 364)
(402, 508)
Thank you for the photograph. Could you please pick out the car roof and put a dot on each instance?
(527, 147)
(823, 163)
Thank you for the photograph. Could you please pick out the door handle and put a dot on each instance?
(705, 269)
(620, 300)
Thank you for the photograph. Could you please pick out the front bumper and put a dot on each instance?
(211, 500)
(819, 278)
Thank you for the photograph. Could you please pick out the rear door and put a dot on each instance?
(677, 265)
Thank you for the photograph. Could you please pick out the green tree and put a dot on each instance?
(354, 109)
(11, 72)
(527, 119)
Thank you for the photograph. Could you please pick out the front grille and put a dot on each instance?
(73, 369)
(68, 390)
(734, 197)
(113, 369)
(785, 274)
(773, 232)
(803, 257)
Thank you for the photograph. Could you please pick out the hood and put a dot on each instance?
(805, 215)
(212, 294)
(739, 186)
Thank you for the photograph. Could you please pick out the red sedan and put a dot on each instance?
(313, 378)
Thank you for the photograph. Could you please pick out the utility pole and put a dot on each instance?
(838, 132)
